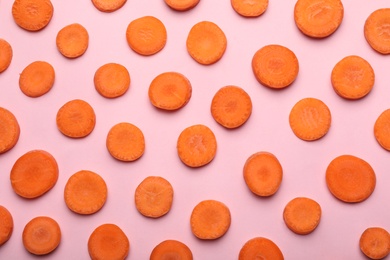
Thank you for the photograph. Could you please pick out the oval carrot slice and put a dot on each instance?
(206, 42)
(32, 15)
(352, 77)
(146, 35)
(34, 174)
(260, 248)
(249, 8)
(182, 5)
(375, 242)
(108, 6)
(275, 66)
(112, 80)
(72, 40)
(231, 106)
(37, 79)
(6, 55)
(350, 179)
(318, 18)
(170, 91)
(6, 225)
(382, 129)
(171, 249)
(9, 130)
(376, 30)
(153, 197)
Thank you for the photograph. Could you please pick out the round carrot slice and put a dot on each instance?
(249, 8)
(350, 179)
(260, 248)
(318, 18)
(382, 129)
(376, 30)
(275, 66)
(263, 174)
(206, 43)
(181, 5)
(231, 106)
(112, 80)
(32, 15)
(34, 174)
(6, 55)
(196, 146)
(37, 79)
(171, 249)
(6, 225)
(302, 215)
(72, 40)
(9, 130)
(352, 77)
(375, 242)
(76, 119)
(146, 35)
(170, 91)
(85, 192)
(41, 235)
(210, 219)
(153, 197)
(310, 119)
(108, 6)
(108, 241)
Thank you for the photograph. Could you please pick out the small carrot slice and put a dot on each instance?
(249, 8)
(41, 235)
(9, 130)
(210, 219)
(231, 106)
(352, 77)
(76, 119)
(350, 179)
(34, 174)
(108, 241)
(72, 40)
(310, 119)
(146, 35)
(125, 142)
(170, 91)
(153, 197)
(206, 42)
(382, 129)
(196, 145)
(32, 15)
(275, 66)
(375, 242)
(112, 80)
(302, 215)
(6, 55)
(37, 79)
(108, 6)
(182, 5)
(318, 18)
(260, 248)
(376, 30)
(171, 249)
(6, 225)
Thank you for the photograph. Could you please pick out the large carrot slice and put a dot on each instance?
(375, 242)
(260, 248)
(6, 225)
(9, 130)
(382, 129)
(376, 30)
(6, 55)
(72, 40)
(37, 79)
(32, 15)
(171, 249)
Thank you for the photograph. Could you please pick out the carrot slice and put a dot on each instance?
(375, 242)
(206, 43)
(171, 249)
(125, 142)
(249, 8)
(6, 225)
(352, 77)
(9, 130)
(153, 197)
(34, 174)
(275, 66)
(376, 30)
(231, 106)
(182, 5)
(108, 241)
(41, 235)
(310, 119)
(350, 179)
(6, 55)
(112, 80)
(72, 40)
(108, 6)
(85, 192)
(170, 91)
(76, 119)
(32, 15)
(37, 79)
(318, 18)
(210, 219)
(146, 35)
(196, 145)
(260, 248)
(382, 129)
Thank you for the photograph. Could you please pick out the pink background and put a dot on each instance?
(304, 163)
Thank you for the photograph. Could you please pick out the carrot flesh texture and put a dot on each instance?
(37, 79)
(112, 80)
(32, 15)
(382, 129)
(171, 249)
(9, 130)
(108, 6)
(182, 5)
(249, 8)
(72, 41)
(377, 32)
(260, 248)
(6, 55)
(375, 242)
(6, 225)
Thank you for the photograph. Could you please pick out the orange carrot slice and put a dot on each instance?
(260, 248)
(376, 30)
(182, 5)
(382, 129)
(37, 79)
(6, 225)
(249, 8)
(171, 249)
(112, 80)
(32, 15)
(9, 130)
(72, 40)
(108, 6)
(6, 55)
(375, 242)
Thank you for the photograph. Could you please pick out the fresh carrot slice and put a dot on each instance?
(146, 35)
(310, 119)
(6, 225)
(41, 235)
(112, 80)
(34, 174)
(32, 15)
(171, 249)
(170, 91)
(318, 18)
(231, 106)
(108, 241)
(125, 142)
(9, 130)
(108, 6)
(352, 77)
(302, 215)
(85, 192)
(76, 118)
(153, 197)
(350, 179)
(182, 5)
(382, 129)
(263, 173)
(6, 55)
(196, 145)
(375, 242)
(206, 42)
(37, 79)
(376, 30)
(72, 40)
(260, 248)
(249, 8)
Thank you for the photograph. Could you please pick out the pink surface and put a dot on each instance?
(304, 163)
